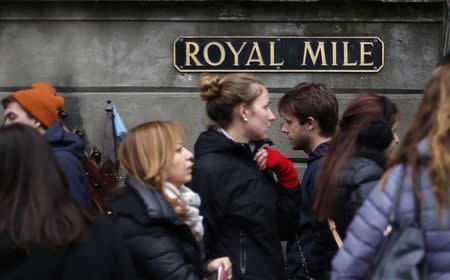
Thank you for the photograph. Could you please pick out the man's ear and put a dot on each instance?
(38, 125)
(311, 123)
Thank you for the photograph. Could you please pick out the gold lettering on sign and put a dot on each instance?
(192, 54)
(206, 54)
(364, 53)
(272, 56)
(314, 56)
(259, 58)
(346, 62)
(333, 45)
(236, 53)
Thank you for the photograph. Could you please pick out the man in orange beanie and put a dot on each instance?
(39, 107)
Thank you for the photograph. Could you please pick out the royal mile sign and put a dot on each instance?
(278, 54)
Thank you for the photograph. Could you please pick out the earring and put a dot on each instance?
(245, 119)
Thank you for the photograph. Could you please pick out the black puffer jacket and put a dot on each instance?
(246, 213)
(101, 255)
(161, 246)
(359, 177)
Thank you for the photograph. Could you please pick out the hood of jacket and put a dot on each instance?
(213, 141)
(61, 140)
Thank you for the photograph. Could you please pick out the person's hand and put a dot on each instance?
(286, 174)
(261, 158)
(225, 262)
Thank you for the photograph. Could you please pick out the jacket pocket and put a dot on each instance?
(242, 253)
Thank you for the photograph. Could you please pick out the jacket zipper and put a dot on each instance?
(242, 254)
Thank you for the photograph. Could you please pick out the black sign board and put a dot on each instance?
(278, 54)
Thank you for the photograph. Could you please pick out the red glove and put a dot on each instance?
(283, 167)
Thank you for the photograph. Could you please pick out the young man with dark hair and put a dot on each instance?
(39, 107)
(310, 113)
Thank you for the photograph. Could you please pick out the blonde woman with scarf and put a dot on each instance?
(158, 216)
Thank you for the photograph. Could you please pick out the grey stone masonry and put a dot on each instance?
(123, 50)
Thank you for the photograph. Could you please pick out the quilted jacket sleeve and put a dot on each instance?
(364, 179)
(365, 233)
(157, 255)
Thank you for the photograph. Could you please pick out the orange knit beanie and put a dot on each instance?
(41, 102)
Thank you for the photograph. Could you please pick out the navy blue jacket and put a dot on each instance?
(365, 233)
(246, 212)
(69, 148)
(309, 228)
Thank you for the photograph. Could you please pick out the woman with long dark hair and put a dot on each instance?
(425, 157)
(156, 213)
(353, 165)
(44, 233)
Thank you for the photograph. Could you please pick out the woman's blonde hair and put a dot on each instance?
(432, 121)
(147, 150)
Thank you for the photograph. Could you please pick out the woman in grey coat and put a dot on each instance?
(426, 155)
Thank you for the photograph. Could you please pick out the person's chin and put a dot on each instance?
(296, 146)
(187, 179)
(258, 138)
(263, 135)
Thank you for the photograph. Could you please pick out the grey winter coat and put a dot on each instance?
(365, 233)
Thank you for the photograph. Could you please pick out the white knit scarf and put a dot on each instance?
(192, 200)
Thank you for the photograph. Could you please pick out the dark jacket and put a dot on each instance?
(359, 176)
(365, 233)
(161, 246)
(68, 149)
(101, 255)
(246, 213)
(309, 229)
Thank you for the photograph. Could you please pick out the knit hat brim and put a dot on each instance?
(41, 102)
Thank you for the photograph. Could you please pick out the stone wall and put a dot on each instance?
(122, 50)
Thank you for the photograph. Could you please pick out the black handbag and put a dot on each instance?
(401, 254)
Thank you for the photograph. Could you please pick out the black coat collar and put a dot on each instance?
(141, 203)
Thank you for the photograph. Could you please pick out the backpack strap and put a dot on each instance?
(336, 236)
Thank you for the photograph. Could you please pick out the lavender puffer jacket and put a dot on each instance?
(365, 233)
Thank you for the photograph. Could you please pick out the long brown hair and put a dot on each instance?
(361, 110)
(147, 150)
(432, 121)
(36, 209)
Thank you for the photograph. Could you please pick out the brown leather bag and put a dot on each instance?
(102, 168)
